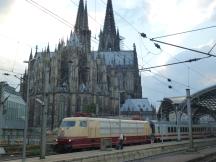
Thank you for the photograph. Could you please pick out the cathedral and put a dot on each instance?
(75, 79)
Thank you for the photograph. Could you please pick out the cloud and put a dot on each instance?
(134, 12)
(5, 6)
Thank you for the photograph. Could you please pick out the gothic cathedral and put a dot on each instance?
(81, 80)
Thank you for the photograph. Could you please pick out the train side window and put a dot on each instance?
(168, 129)
(68, 124)
(174, 129)
(83, 123)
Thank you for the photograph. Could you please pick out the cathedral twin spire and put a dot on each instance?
(109, 39)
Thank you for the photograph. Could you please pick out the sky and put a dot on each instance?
(23, 26)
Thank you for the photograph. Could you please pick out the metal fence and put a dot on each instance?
(30, 140)
(18, 140)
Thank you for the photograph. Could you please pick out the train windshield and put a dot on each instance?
(68, 123)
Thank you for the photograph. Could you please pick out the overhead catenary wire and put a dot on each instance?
(191, 68)
(175, 63)
(164, 83)
(184, 32)
(50, 13)
(172, 80)
(55, 16)
(10, 71)
(186, 48)
(212, 48)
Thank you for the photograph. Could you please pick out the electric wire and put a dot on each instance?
(189, 31)
(55, 16)
(50, 13)
(165, 83)
(212, 48)
(10, 71)
(175, 63)
(191, 68)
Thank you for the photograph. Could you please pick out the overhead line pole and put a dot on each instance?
(189, 119)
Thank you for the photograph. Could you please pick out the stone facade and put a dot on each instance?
(81, 80)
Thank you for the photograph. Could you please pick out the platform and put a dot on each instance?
(129, 153)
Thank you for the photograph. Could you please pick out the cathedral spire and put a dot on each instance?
(81, 28)
(109, 23)
(85, 19)
(109, 38)
(80, 14)
(48, 49)
(31, 56)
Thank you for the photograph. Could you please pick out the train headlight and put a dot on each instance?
(69, 140)
(56, 140)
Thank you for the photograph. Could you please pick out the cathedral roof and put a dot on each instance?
(115, 58)
(137, 105)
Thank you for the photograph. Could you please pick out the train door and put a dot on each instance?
(91, 129)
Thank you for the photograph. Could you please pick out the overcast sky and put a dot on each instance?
(23, 26)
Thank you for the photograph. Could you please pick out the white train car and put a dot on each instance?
(169, 130)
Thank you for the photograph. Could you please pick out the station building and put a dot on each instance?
(12, 112)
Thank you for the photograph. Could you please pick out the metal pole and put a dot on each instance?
(177, 124)
(161, 129)
(119, 113)
(1, 108)
(44, 116)
(189, 118)
(26, 116)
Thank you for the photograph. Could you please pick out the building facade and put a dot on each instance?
(12, 112)
(81, 80)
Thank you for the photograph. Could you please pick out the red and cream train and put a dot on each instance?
(87, 132)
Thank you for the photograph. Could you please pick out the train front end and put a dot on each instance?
(71, 132)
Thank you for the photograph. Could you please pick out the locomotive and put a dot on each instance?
(86, 132)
